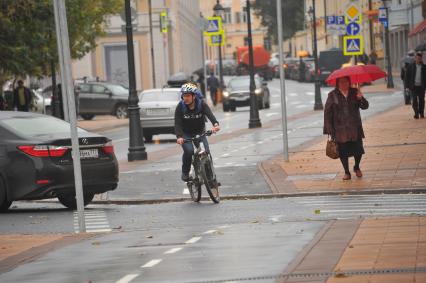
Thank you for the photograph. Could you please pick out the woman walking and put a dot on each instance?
(342, 121)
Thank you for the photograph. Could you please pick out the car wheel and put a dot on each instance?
(4, 203)
(234, 108)
(69, 200)
(147, 136)
(225, 108)
(87, 116)
(121, 111)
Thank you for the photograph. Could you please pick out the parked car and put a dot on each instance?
(36, 161)
(329, 61)
(157, 111)
(41, 102)
(289, 66)
(101, 98)
(237, 93)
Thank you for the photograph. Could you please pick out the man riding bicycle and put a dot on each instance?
(190, 120)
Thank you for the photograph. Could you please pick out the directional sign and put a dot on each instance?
(383, 15)
(358, 19)
(217, 39)
(214, 26)
(353, 28)
(353, 45)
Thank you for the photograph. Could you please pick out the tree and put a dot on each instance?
(293, 16)
(28, 35)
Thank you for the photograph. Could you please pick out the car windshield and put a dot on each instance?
(241, 83)
(118, 89)
(37, 126)
(160, 96)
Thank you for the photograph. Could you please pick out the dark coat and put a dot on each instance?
(28, 99)
(212, 83)
(342, 118)
(410, 76)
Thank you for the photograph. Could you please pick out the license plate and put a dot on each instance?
(241, 98)
(89, 153)
(157, 111)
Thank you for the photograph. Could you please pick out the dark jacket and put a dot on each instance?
(2, 103)
(192, 122)
(410, 76)
(16, 103)
(212, 83)
(342, 119)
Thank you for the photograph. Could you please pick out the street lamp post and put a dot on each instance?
(254, 121)
(136, 146)
(218, 11)
(318, 102)
(388, 59)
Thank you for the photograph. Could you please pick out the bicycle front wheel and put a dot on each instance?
(194, 189)
(210, 182)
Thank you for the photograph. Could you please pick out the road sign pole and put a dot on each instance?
(388, 59)
(67, 85)
(318, 101)
(282, 80)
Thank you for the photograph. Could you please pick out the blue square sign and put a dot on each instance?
(340, 20)
(331, 20)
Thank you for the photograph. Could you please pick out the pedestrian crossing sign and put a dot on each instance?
(214, 26)
(353, 45)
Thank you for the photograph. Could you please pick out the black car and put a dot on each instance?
(237, 93)
(329, 61)
(36, 162)
(101, 98)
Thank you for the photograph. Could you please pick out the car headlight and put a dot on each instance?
(258, 91)
(225, 93)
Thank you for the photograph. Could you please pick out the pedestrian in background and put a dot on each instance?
(342, 121)
(373, 57)
(2, 103)
(213, 85)
(416, 82)
(21, 97)
(405, 62)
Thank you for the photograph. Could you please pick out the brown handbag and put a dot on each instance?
(332, 149)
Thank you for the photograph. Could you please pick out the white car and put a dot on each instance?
(157, 111)
(41, 102)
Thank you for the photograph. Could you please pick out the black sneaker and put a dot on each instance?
(416, 116)
(422, 116)
(185, 177)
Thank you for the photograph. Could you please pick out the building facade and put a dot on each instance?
(178, 50)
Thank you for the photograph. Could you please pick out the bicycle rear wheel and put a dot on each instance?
(194, 188)
(210, 182)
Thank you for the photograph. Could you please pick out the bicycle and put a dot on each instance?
(203, 173)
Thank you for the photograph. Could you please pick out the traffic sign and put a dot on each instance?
(217, 39)
(164, 22)
(340, 20)
(352, 11)
(353, 45)
(353, 28)
(331, 20)
(214, 26)
(383, 15)
(358, 19)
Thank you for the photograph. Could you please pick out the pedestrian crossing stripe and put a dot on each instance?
(214, 26)
(353, 45)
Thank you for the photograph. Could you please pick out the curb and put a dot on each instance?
(256, 196)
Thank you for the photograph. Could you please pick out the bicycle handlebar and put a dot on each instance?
(197, 137)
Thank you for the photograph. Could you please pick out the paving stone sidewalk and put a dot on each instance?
(395, 158)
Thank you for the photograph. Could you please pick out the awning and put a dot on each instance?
(417, 29)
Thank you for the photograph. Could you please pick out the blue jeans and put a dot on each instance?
(188, 151)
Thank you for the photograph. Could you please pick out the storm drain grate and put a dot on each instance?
(340, 274)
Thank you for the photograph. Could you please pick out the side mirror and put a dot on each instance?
(264, 83)
(107, 91)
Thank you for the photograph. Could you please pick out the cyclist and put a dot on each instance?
(190, 118)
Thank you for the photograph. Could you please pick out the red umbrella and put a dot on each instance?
(358, 74)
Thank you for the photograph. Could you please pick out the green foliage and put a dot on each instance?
(28, 34)
(293, 16)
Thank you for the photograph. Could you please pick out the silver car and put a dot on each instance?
(157, 111)
(41, 102)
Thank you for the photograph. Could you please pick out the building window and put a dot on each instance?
(227, 16)
(238, 17)
(244, 15)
